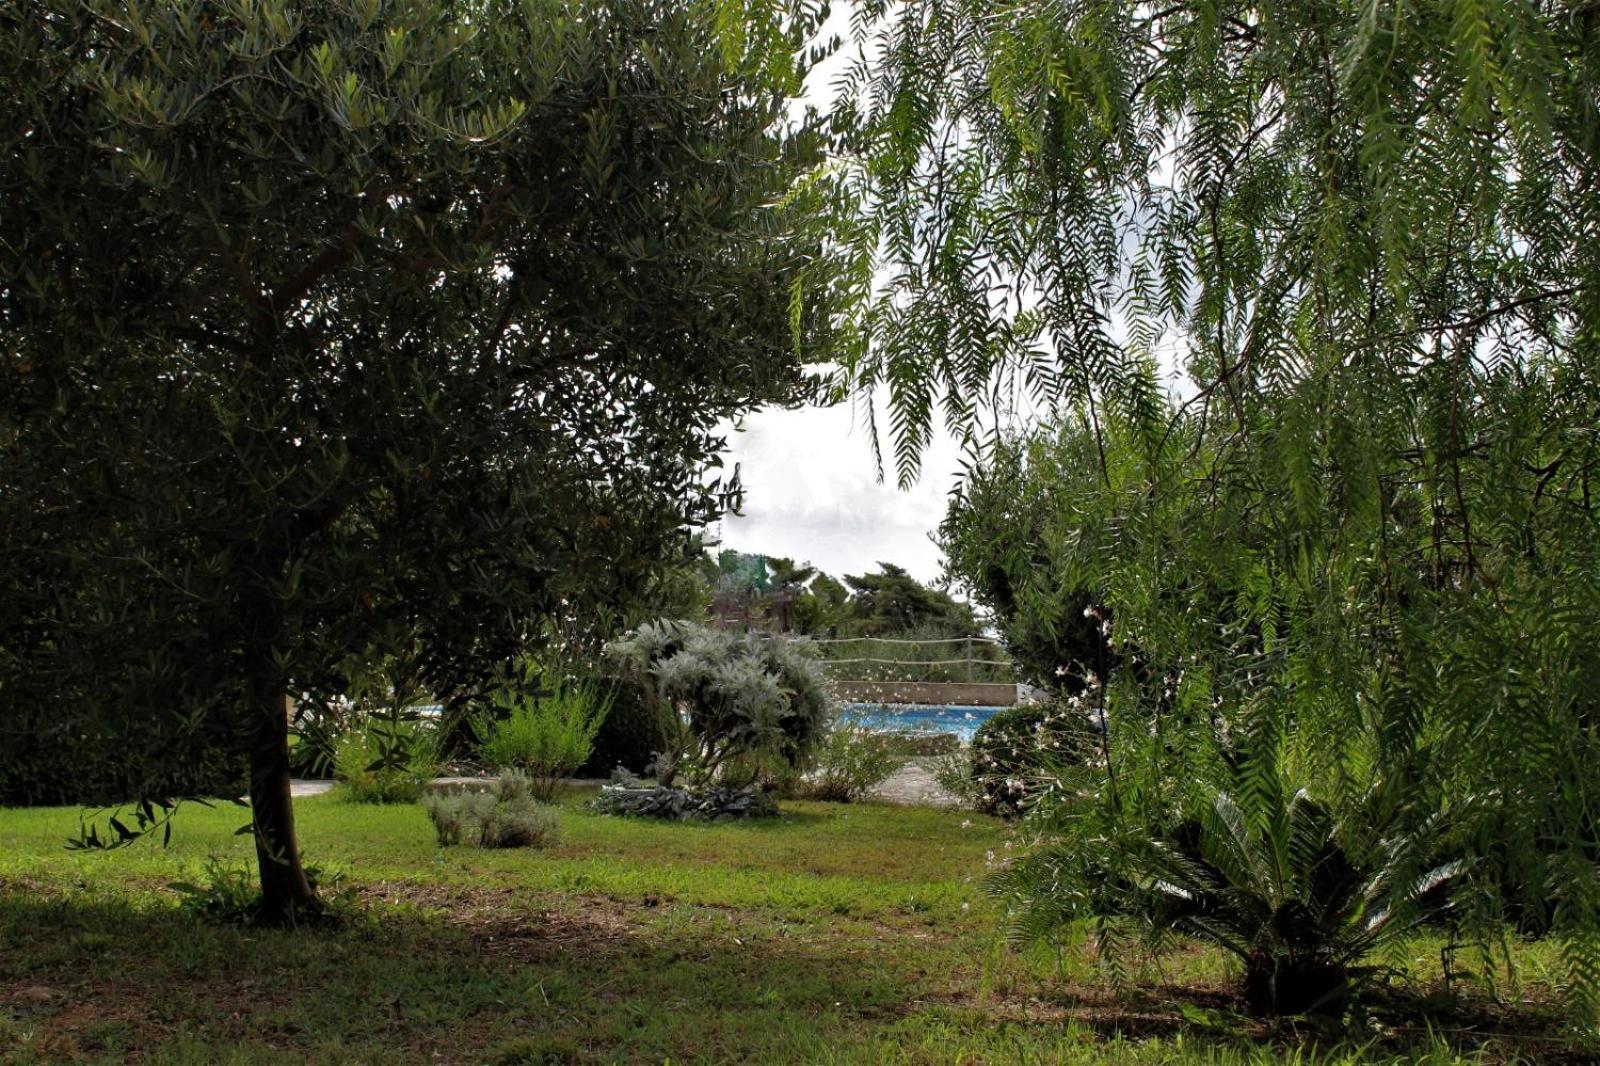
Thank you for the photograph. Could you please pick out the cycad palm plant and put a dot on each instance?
(1301, 891)
(1299, 895)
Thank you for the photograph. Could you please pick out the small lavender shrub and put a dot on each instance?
(505, 816)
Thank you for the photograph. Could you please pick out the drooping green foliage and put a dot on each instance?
(727, 700)
(1383, 669)
(1366, 239)
(357, 327)
(1066, 195)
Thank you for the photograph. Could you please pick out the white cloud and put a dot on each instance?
(813, 493)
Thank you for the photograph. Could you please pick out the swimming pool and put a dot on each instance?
(916, 718)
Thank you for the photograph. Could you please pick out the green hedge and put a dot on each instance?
(70, 767)
(630, 736)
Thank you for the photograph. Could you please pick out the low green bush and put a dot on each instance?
(1015, 753)
(849, 763)
(546, 734)
(506, 815)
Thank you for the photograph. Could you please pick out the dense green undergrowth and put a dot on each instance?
(834, 933)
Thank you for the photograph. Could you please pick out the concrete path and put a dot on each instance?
(912, 785)
(448, 784)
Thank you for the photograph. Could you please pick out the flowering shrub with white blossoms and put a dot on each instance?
(1015, 754)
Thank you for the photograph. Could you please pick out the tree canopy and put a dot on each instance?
(774, 592)
(893, 602)
(1009, 537)
(337, 328)
(1061, 197)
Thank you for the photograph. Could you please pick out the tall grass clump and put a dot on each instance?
(850, 762)
(546, 734)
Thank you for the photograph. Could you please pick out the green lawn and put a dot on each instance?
(836, 934)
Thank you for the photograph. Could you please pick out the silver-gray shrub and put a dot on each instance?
(505, 816)
(727, 700)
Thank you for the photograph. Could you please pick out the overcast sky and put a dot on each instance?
(812, 491)
(813, 494)
(812, 488)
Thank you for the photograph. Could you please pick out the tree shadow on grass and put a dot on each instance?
(456, 973)
(414, 976)
(1390, 1024)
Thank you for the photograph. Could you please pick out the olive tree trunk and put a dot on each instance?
(285, 893)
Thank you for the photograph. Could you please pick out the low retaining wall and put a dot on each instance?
(927, 693)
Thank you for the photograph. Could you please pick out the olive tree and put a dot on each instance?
(360, 327)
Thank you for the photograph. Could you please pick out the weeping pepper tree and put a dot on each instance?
(1365, 240)
(361, 327)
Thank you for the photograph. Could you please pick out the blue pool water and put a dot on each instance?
(914, 718)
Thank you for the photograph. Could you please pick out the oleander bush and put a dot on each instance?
(1017, 753)
(386, 759)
